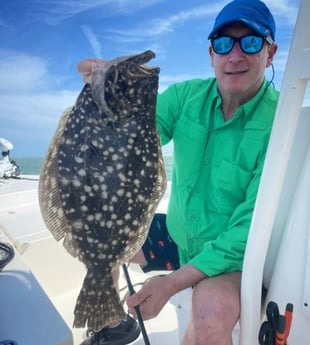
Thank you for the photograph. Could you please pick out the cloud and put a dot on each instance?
(29, 107)
(53, 12)
(92, 39)
(35, 110)
(283, 10)
(21, 72)
(31, 119)
(160, 26)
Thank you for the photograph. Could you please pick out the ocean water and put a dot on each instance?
(29, 165)
(32, 165)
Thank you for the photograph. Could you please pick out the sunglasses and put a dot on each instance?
(249, 44)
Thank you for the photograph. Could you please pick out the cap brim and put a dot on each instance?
(261, 30)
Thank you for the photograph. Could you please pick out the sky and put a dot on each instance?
(43, 40)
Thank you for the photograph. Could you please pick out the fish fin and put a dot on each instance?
(48, 190)
(98, 303)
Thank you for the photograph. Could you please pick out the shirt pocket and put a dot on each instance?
(189, 141)
(227, 186)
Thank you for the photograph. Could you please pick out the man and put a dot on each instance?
(220, 128)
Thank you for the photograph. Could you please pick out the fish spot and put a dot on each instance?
(76, 183)
(84, 208)
(98, 216)
(77, 225)
(64, 181)
(122, 177)
(120, 192)
(84, 147)
(104, 195)
(87, 189)
(114, 198)
(141, 197)
(82, 172)
(96, 187)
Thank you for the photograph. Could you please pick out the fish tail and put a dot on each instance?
(98, 303)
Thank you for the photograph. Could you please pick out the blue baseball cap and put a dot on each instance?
(253, 13)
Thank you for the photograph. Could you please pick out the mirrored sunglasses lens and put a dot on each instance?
(222, 45)
(252, 44)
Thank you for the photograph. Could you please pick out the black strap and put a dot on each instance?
(6, 255)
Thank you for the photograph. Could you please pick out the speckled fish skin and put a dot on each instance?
(103, 177)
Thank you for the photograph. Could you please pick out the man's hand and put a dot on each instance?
(153, 296)
(157, 291)
(85, 67)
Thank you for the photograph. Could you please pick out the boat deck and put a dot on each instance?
(49, 279)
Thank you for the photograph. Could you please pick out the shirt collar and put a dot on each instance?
(246, 108)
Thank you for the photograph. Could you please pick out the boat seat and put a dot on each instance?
(27, 314)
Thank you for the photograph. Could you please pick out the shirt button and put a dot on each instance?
(191, 217)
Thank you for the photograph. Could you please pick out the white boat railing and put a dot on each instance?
(274, 181)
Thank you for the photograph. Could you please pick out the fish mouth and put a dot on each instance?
(142, 58)
(112, 78)
(139, 62)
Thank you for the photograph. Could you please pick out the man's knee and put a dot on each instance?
(216, 304)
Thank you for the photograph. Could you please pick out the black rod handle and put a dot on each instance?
(137, 310)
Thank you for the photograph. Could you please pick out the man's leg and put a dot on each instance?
(215, 310)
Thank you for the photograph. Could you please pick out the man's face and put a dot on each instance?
(239, 73)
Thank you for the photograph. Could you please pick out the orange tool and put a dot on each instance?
(284, 325)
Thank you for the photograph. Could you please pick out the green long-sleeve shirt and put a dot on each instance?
(216, 173)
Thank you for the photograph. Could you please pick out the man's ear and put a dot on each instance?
(271, 53)
(211, 53)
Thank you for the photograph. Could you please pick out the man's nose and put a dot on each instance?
(236, 52)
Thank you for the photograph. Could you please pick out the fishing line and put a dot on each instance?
(270, 82)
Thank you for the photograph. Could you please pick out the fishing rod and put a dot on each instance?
(137, 310)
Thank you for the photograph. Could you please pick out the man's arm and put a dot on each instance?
(157, 291)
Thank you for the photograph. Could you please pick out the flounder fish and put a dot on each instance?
(103, 177)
